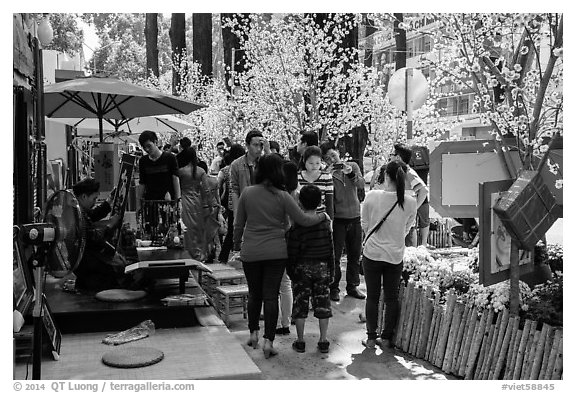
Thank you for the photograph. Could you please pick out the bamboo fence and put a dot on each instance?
(473, 344)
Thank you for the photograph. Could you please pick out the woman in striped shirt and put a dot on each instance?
(312, 173)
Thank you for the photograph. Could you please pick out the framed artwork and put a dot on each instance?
(122, 189)
(22, 281)
(54, 335)
(495, 241)
(456, 170)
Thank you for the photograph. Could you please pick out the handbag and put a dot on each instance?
(222, 224)
(379, 224)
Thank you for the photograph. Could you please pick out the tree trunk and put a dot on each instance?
(369, 40)
(151, 34)
(178, 41)
(231, 43)
(400, 37)
(356, 143)
(202, 42)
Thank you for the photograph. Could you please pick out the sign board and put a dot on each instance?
(456, 170)
(106, 165)
(495, 241)
(418, 88)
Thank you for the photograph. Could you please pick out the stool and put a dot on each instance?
(216, 267)
(232, 299)
(220, 278)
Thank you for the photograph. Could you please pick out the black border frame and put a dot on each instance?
(484, 263)
(55, 337)
(28, 298)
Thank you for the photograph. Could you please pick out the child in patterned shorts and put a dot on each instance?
(311, 269)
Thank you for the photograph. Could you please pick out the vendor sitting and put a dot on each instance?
(96, 272)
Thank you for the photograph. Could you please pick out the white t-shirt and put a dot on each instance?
(387, 243)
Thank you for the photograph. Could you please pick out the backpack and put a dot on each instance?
(420, 158)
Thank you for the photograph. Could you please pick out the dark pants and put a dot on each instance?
(229, 239)
(347, 232)
(263, 279)
(380, 275)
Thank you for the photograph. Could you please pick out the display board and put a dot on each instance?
(495, 241)
(456, 170)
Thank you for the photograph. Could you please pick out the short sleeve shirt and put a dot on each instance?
(156, 176)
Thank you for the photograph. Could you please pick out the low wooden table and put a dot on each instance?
(167, 263)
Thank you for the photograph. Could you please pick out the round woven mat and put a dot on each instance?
(132, 357)
(120, 295)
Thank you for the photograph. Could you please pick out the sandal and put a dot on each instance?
(268, 349)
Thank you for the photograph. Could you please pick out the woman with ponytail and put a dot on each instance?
(386, 217)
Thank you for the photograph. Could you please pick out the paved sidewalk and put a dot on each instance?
(347, 359)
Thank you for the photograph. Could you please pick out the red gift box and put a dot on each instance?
(528, 209)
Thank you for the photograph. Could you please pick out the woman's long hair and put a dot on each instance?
(396, 171)
(188, 156)
(290, 170)
(269, 170)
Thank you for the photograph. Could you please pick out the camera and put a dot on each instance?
(338, 165)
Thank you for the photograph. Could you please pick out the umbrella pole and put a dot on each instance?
(100, 126)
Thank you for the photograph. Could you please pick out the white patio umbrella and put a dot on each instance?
(109, 98)
(160, 123)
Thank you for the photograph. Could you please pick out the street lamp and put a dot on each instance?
(97, 50)
(45, 32)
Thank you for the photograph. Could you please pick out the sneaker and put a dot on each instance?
(384, 343)
(284, 331)
(335, 296)
(323, 346)
(356, 293)
(299, 346)
(369, 343)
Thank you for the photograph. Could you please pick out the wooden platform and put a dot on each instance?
(189, 353)
(81, 313)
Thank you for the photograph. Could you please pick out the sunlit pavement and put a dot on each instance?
(348, 358)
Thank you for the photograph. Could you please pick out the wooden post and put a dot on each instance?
(465, 349)
(476, 343)
(459, 342)
(556, 344)
(498, 344)
(508, 339)
(521, 349)
(546, 353)
(514, 279)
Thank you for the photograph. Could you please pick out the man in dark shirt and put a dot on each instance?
(95, 271)
(158, 170)
(308, 138)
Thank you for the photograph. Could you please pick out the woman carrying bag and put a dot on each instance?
(386, 217)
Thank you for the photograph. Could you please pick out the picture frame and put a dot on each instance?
(22, 280)
(122, 190)
(495, 241)
(51, 329)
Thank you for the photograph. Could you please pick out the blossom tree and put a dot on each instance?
(300, 78)
(513, 65)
